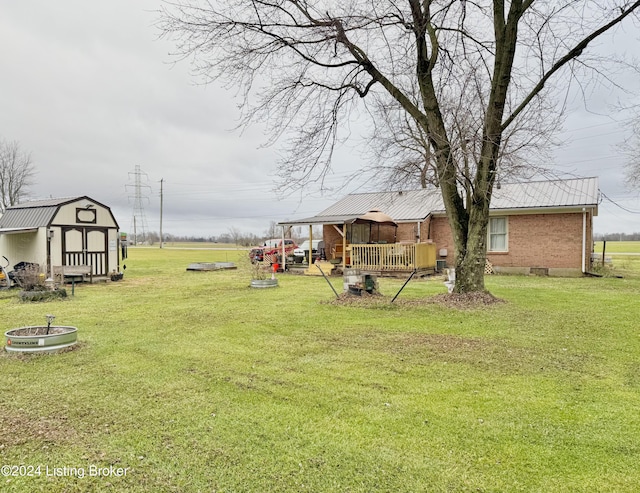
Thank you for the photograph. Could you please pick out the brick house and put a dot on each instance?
(541, 226)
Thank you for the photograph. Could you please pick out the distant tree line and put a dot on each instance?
(244, 239)
(616, 237)
(236, 237)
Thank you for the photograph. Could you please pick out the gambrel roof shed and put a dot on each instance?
(74, 231)
(41, 213)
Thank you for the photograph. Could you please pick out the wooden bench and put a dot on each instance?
(338, 254)
(72, 273)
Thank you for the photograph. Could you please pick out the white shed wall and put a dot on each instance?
(25, 247)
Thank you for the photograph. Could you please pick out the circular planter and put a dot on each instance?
(264, 283)
(36, 340)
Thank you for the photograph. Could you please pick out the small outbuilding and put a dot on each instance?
(78, 231)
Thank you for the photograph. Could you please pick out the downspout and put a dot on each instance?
(310, 260)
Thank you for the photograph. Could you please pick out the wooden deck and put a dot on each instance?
(392, 257)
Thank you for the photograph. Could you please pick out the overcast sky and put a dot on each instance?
(90, 91)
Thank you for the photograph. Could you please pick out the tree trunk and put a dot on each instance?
(471, 256)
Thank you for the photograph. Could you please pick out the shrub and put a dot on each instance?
(43, 295)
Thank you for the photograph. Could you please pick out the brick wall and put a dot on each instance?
(441, 235)
(535, 240)
(543, 240)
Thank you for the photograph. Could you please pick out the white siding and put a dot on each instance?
(25, 247)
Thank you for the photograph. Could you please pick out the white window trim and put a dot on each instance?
(506, 235)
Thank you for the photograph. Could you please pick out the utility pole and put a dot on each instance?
(161, 200)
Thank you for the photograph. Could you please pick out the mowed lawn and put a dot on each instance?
(625, 257)
(192, 381)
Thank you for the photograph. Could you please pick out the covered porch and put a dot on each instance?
(369, 242)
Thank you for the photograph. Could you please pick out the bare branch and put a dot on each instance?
(16, 174)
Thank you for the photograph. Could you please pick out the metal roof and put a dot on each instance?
(46, 202)
(575, 192)
(416, 205)
(27, 217)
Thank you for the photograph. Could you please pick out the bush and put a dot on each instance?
(43, 295)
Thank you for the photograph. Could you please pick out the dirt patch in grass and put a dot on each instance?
(466, 301)
(17, 428)
(492, 355)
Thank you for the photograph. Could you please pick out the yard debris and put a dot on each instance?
(210, 266)
(460, 301)
(464, 300)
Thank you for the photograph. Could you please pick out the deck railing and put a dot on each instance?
(393, 256)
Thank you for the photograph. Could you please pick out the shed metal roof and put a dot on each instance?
(27, 217)
(416, 205)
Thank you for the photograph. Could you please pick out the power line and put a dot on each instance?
(618, 205)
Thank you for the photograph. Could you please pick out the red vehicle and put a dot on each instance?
(271, 250)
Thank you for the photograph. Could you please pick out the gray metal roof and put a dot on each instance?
(416, 205)
(46, 202)
(575, 192)
(27, 217)
(408, 205)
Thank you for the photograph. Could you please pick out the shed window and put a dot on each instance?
(498, 234)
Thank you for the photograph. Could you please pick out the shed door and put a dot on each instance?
(86, 246)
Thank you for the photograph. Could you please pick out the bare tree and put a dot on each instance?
(235, 235)
(631, 149)
(312, 63)
(16, 174)
(402, 156)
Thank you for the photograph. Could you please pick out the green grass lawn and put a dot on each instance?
(624, 255)
(618, 247)
(192, 381)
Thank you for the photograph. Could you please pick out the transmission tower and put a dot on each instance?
(140, 195)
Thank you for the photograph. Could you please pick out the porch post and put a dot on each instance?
(344, 247)
(310, 244)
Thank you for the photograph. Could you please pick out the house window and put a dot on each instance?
(498, 239)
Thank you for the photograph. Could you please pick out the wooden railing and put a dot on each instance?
(393, 256)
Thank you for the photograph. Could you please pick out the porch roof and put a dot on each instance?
(17, 230)
(319, 219)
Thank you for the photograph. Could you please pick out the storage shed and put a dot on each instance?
(78, 231)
